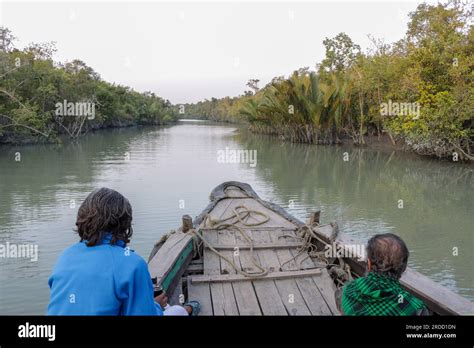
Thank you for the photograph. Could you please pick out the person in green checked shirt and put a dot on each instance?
(380, 292)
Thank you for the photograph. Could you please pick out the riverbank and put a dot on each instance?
(65, 99)
(382, 143)
(62, 137)
(150, 166)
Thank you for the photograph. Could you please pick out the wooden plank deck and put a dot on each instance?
(169, 264)
(284, 290)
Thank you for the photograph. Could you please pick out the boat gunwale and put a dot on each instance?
(218, 194)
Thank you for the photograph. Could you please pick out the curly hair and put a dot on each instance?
(388, 255)
(104, 211)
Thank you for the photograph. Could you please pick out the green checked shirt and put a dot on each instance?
(378, 294)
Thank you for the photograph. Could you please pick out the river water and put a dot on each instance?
(170, 171)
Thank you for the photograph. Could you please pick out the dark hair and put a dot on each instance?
(104, 210)
(388, 255)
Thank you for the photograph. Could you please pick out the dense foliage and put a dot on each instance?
(32, 85)
(429, 74)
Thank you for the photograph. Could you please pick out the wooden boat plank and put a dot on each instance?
(217, 212)
(244, 291)
(223, 299)
(247, 302)
(267, 291)
(268, 245)
(269, 298)
(201, 293)
(234, 191)
(290, 295)
(245, 256)
(323, 284)
(319, 296)
(212, 266)
(276, 220)
(227, 237)
(434, 295)
(235, 203)
(313, 298)
(195, 268)
(227, 301)
(327, 289)
(267, 258)
(220, 209)
(229, 305)
(284, 257)
(170, 263)
(222, 278)
(258, 228)
(175, 297)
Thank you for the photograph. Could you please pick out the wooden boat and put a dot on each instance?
(246, 256)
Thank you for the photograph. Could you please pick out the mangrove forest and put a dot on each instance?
(417, 92)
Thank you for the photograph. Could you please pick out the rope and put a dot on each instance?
(241, 213)
(305, 234)
(341, 271)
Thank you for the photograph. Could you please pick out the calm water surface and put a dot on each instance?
(159, 168)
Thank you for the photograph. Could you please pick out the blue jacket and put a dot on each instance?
(101, 280)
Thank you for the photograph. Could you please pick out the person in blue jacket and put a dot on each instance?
(100, 275)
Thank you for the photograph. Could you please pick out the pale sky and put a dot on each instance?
(188, 51)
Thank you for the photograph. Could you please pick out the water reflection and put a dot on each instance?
(157, 168)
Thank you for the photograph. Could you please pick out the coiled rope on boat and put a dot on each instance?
(241, 213)
(305, 234)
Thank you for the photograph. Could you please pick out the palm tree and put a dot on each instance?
(302, 106)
